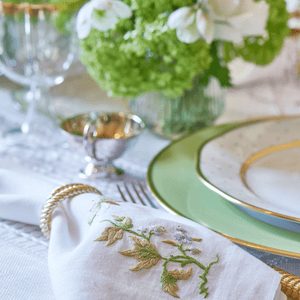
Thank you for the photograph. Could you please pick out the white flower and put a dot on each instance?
(235, 19)
(292, 5)
(228, 20)
(191, 24)
(101, 15)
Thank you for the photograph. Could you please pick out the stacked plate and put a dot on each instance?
(241, 180)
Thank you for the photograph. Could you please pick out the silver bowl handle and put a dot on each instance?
(89, 134)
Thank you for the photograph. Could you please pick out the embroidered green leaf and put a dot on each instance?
(110, 234)
(170, 242)
(181, 274)
(144, 251)
(148, 251)
(196, 240)
(168, 284)
(128, 226)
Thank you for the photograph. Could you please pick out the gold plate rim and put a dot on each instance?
(260, 154)
(173, 211)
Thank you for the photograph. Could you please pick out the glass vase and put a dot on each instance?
(172, 117)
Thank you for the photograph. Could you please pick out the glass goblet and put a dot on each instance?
(33, 51)
(102, 138)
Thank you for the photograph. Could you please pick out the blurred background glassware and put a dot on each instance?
(275, 87)
(102, 138)
(34, 52)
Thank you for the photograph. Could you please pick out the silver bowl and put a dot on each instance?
(102, 138)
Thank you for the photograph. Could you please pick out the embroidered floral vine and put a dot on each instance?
(148, 255)
(97, 206)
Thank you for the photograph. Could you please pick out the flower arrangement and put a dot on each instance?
(131, 47)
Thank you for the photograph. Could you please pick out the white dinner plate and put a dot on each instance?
(257, 167)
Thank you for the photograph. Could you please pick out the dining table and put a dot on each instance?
(23, 248)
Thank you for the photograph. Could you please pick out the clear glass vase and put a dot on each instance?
(173, 117)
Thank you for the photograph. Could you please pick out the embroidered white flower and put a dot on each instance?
(157, 230)
(182, 238)
(101, 15)
(126, 221)
(118, 218)
(179, 228)
(228, 20)
(142, 229)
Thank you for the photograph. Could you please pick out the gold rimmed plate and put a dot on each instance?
(173, 180)
(257, 167)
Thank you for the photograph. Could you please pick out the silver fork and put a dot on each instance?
(136, 193)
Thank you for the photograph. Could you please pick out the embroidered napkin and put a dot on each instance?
(100, 249)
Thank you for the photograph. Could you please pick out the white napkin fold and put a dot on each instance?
(122, 264)
(23, 195)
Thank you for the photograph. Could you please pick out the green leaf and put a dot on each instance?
(148, 252)
(166, 277)
(168, 283)
(128, 226)
(216, 69)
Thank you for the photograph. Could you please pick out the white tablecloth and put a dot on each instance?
(23, 249)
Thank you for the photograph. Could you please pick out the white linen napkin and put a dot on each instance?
(113, 257)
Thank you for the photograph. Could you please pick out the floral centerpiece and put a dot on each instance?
(174, 49)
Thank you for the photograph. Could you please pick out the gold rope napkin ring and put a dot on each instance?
(57, 196)
(290, 284)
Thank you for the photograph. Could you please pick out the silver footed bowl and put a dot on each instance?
(102, 138)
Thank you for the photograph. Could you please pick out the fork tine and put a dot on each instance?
(127, 189)
(137, 193)
(122, 195)
(147, 197)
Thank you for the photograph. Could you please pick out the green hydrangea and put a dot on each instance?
(142, 54)
(138, 56)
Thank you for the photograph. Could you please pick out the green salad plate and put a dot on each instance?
(173, 180)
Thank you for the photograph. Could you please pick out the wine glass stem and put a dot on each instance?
(36, 95)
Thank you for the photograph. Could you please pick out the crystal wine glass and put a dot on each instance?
(33, 51)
